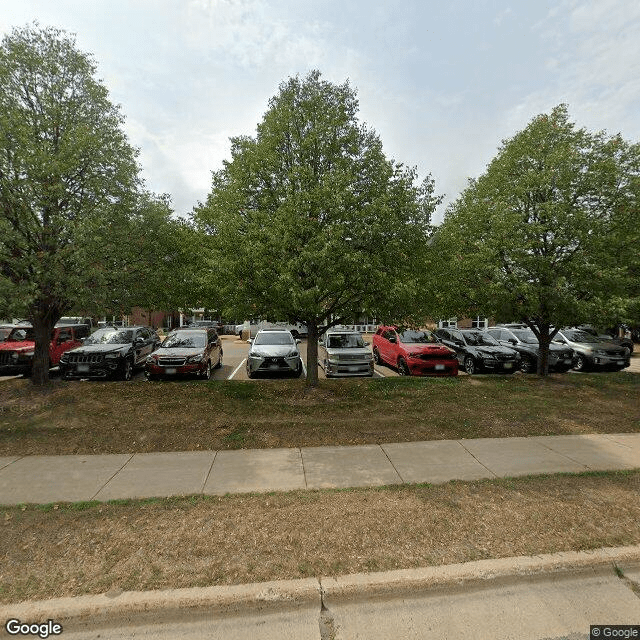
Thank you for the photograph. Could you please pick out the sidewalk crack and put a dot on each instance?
(632, 584)
(126, 462)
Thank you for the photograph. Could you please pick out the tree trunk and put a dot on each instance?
(312, 354)
(43, 322)
(544, 341)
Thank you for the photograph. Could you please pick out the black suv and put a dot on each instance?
(478, 351)
(524, 341)
(110, 352)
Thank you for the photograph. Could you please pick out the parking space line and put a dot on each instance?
(236, 369)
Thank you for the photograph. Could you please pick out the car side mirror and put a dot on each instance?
(393, 339)
(139, 340)
(458, 342)
(366, 344)
(513, 341)
(249, 341)
(298, 341)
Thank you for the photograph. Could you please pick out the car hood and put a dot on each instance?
(605, 346)
(272, 350)
(24, 345)
(432, 349)
(494, 350)
(178, 352)
(101, 348)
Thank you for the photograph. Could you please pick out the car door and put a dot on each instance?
(457, 343)
(141, 345)
(387, 348)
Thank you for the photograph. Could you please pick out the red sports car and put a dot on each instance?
(413, 352)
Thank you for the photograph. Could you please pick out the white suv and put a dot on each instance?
(274, 351)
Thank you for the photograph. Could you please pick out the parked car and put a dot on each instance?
(343, 352)
(274, 351)
(186, 351)
(478, 351)
(524, 341)
(67, 320)
(591, 351)
(208, 324)
(110, 352)
(297, 329)
(413, 352)
(606, 337)
(16, 352)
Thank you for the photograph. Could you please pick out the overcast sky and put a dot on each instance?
(442, 82)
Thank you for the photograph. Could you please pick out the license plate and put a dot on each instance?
(508, 365)
(83, 368)
(274, 366)
(353, 368)
(568, 360)
(170, 371)
(439, 367)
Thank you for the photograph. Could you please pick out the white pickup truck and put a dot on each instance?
(298, 330)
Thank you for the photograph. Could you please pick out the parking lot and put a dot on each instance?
(236, 350)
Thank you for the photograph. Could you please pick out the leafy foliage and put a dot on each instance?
(309, 221)
(548, 234)
(68, 179)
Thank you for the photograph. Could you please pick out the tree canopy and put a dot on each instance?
(309, 221)
(547, 235)
(68, 177)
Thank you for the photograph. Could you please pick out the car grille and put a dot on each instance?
(503, 357)
(5, 358)
(76, 358)
(350, 357)
(615, 354)
(271, 361)
(430, 355)
(171, 362)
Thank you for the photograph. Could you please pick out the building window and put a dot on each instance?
(451, 323)
(479, 323)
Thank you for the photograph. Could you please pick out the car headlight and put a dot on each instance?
(110, 356)
(253, 354)
(151, 359)
(292, 354)
(196, 358)
(600, 352)
(415, 354)
(29, 354)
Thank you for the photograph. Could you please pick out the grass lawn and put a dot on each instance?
(72, 549)
(119, 417)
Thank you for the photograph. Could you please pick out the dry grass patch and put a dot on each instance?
(61, 550)
(118, 417)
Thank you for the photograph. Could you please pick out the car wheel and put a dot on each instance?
(250, 374)
(207, 372)
(376, 357)
(298, 371)
(403, 369)
(581, 363)
(219, 363)
(527, 365)
(470, 365)
(127, 373)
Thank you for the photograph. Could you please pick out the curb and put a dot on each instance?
(102, 610)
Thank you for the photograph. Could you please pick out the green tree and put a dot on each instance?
(68, 179)
(547, 234)
(310, 222)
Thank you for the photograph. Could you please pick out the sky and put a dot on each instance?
(442, 82)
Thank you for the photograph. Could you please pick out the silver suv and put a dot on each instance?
(343, 352)
(274, 351)
(591, 351)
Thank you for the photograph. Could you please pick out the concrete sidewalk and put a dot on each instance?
(44, 479)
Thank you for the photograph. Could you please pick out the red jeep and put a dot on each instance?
(16, 352)
(413, 352)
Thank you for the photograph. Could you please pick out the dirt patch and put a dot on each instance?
(65, 550)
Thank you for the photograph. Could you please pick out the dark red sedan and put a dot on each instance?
(413, 352)
(186, 352)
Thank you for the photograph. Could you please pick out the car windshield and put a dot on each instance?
(525, 336)
(580, 336)
(345, 341)
(274, 337)
(22, 334)
(184, 339)
(110, 336)
(410, 336)
(478, 338)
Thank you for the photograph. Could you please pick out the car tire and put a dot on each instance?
(250, 374)
(207, 372)
(581, 363)
(470, 365)
(298, 371)
(528, 366)
(219, 363)
(403, 368)
(376, 356)
(324, 366)
(127, 372)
